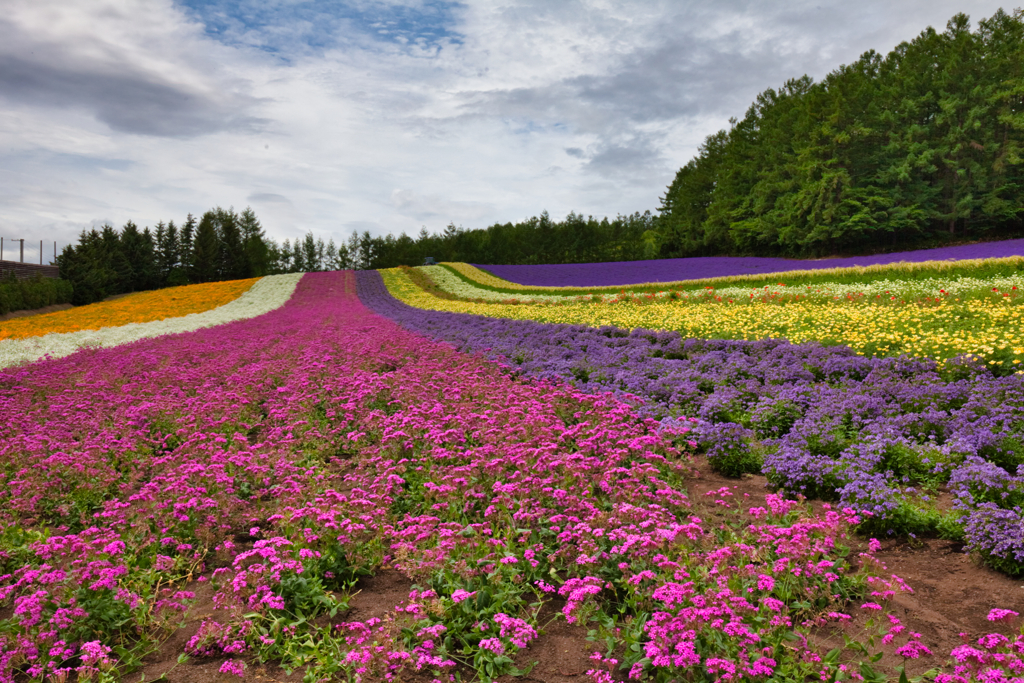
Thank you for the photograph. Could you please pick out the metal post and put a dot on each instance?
(22, 249)
(40, 252)
(1, 248)
(55, 252)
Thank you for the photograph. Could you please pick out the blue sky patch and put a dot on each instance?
(287, 28)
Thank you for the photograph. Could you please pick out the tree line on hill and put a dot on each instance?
(220, 245)
(225, 245)
(540, 239)
(922, 146)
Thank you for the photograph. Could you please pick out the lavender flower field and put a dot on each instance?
(880, 435)
(206, 504)
(672, 270)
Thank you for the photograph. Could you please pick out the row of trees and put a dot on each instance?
(536, 240)
(221, 245)
(224, 245)
(920, 146)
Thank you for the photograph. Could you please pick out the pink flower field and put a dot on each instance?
(216, 504)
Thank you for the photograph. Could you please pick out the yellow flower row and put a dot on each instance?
(140, 307)
(898, 270)
(991, 329)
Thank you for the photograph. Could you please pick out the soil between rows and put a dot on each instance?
(952, 595)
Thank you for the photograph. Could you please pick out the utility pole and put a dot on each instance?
(22, 240)
(40, 252)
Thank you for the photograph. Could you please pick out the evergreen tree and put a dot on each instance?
(331, 256)
(116, 261)
(254, 244)
(160, 236)
(1003, 198)
(354, 256)
(233, 258)
(87, 266)
(310, 254)
(170, 265)
(284, 258)
(187, 246)
(299, 264)
(206, 250)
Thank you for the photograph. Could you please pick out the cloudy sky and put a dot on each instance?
(389, 115)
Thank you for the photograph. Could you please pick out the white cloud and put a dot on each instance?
(477, 113)
(435, 207)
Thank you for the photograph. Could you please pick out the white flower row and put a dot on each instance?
(452, 284)
(901, 289)
(268, 294)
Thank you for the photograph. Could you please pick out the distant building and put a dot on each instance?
(429, 261)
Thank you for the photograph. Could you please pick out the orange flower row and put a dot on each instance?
(140, 307)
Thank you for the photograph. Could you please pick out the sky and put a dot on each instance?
(389, 116)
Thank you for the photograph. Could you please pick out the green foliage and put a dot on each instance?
(575, 239)
(906, 520)
(37, 292)
(916, 148)
(223, 245)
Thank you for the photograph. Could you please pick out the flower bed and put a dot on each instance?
(990, 327)
(674, 270)
(884, 290)
(265, 295)
(452, 284)
(874, 433)
(134, 308)
(285, 456)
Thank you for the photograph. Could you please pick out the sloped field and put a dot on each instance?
(335, 489)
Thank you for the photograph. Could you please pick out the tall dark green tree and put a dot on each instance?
(234, 263)
(254, 244)
(187, 246)
(313, 251)
(206, 250)
(168, 257)
(87, 266)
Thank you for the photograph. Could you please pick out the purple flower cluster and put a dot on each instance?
(671, 270)
(820, 421)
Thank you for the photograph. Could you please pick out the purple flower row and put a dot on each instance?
(821, 421)
(672, 270)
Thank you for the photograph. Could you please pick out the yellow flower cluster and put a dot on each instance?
(990, 328)
(140, 307)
